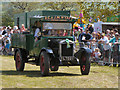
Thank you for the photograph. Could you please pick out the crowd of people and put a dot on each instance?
(105, 46)
(5, 38)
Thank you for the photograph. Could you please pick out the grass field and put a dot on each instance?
(65, 77)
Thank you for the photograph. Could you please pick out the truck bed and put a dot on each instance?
(24, 41)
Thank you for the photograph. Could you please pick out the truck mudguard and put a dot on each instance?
(48, 50)
(82, 50)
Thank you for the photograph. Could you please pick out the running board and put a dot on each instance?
(32, 62)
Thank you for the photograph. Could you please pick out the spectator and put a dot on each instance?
(86, 38)
(106, 47)
(112, 33)
(4, 31)
(9, 32)
(115, 31)
(93, 42)
(0, 33)
(15, 29)
(100, 44)
(116, 52)
(107, 31)
(108, 36)
(22, 28)
(7, 47)
(65, 33)
(90, 29)
(80, 37)
(97, 54)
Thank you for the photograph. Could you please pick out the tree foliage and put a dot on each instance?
(90, 9)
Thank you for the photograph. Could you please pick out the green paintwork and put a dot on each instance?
(39, 45)
(26, 41)
(24, 18)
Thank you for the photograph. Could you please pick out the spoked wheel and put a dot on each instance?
(85, 64)
(44, 63)
(19, 61)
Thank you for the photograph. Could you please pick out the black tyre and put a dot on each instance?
(54, 67)
(54, 64)
(85, 64)
(19, 62)
(44, 63)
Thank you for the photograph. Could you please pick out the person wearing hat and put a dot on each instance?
(16, 30)
(115, 31)
(116, 49)
(107, 32)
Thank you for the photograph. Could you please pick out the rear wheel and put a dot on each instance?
(44, 63)
(19, 62)
(85, 64)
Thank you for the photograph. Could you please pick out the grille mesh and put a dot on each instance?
(67, 51)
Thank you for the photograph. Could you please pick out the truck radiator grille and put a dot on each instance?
(67, 51)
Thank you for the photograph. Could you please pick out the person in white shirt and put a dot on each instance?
(36, 34)
(106, 46)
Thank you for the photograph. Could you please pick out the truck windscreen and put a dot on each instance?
(57, 29)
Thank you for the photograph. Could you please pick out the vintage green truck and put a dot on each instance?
(54, 45)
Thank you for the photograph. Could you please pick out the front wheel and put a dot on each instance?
(54, 64)
(85, 64)
(44, 63)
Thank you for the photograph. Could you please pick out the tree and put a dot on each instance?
(9, 9)
(90, 9)
(7, 15)
(25, 6)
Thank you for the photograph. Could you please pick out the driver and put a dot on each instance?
(36, 33)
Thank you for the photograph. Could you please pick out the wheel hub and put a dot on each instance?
(18, 60)
(83, 67)
(42, 64)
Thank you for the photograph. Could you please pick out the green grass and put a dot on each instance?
(65, 77)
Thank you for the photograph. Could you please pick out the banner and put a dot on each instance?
(98, 27)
